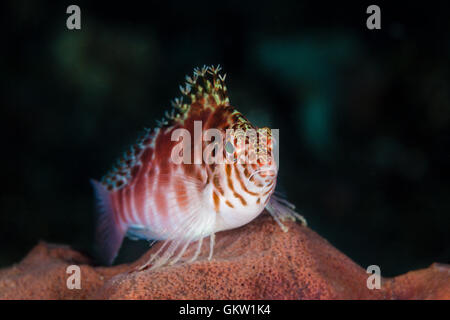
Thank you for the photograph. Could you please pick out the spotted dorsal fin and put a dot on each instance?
(202, 92)
(205, 89)
(120, 173)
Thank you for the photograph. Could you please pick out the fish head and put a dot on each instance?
(252, 150)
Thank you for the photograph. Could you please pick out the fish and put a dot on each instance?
(150, 194)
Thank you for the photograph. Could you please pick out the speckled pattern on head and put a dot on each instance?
(149, 196)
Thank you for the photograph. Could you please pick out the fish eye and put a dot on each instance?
(229, 147)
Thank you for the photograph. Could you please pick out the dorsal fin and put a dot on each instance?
(205, 89)
(120, 173)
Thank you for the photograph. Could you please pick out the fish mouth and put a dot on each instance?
(268, 173)
(263, 173)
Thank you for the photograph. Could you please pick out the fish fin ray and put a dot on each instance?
(108, 235)
(193, 227)
(281, 209)
(140, 232)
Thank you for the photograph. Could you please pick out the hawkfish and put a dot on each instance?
(150, 194)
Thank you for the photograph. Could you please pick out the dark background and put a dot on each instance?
(364, 116)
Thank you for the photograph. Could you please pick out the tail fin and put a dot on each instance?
(108, 234)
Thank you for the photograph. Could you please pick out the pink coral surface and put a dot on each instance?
(257, 261)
